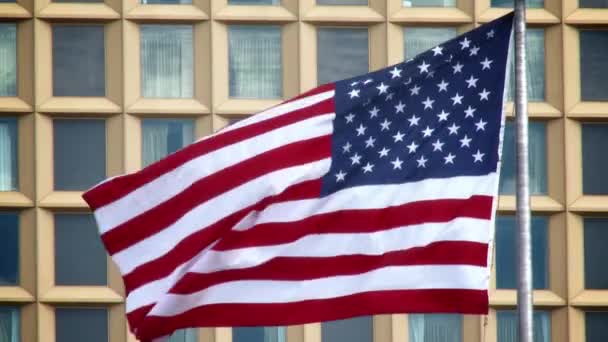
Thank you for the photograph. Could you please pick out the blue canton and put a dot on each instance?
(438, 115)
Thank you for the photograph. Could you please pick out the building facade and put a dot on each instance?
(93, 89)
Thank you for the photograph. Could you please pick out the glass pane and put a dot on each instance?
(184, 335)
(9, 249)
(429, 3)
(358, 329)
(166, 2)
(593, 3)
(77, 325)
(78, 60)
(342, 2)
(82, 1)
(535, 67)
(537, 135)
(336, 45)
(161, 137)
(506, 272)
(506, 328)
(435, 328)
(595, 167)
(80, 258)
(596, 326)
(255, 61)
(509, 3)
(79, 147)
(419, 39)
(253, 2)
(594, 69)
(8, 155)
(596, 235)
(9, 324)
(258, 334)
(166, 61)
(8, 58)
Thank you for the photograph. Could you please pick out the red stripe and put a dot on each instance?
(285, 268)
(165, 214)
(359, 221)
(116, 188)
(368, 303)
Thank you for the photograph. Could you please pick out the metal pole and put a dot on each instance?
(524, 250)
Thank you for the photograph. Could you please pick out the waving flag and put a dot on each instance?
(371, 195)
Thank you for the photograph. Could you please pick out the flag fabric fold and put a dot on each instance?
(370, 195)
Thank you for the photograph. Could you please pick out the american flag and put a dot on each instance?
(370, 195)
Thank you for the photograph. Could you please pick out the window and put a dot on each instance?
(336, 45)
(161, 137)
(420, 39)
(509, 3)
(429, 3)
(596, 235)
(184, 335)
(78, 60)
(259, 334)
(506, 269)
(9, 324)
(435, 328)
(166, 61)
(535, 67)
(358, 329)
(8, 154)
(254, 54)
(594, 70)
(79, 147)
(9, 248)
(75, 325)
(165, 2)
(80, 258)
(8, 58)
(595, 168)
(342, 2)
(507, 326)
(593, 3)
(253, 2)
(537, 135)
(81, 1)
(596, 326)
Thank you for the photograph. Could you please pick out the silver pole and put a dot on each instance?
(524, 250)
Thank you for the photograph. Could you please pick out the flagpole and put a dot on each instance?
(524, 249)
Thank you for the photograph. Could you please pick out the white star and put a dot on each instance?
(383, 88)
(415, 90)
(484, 95)
(473, 51)
(349, 118)
(374, 112)
(490, 34)
(472, 82)
(478, 156)
(389, 96)
(370, 142)
(340, 176)
(361, 130)
(422, 161)
(413, 120)
(354, 83)
(443, 86)
(385, 125)
(399, 136)
(481, 125)
(443, 116)
(356, 159)
(346, 147)
(424, 67)
(457, 99)
(449, 159)
(438, 145)
(412, 147)
(457, 68)
(368, 168)
(397, 163)
(399, 107)
(395, 72)
(367, 81)
(354, 93)
(453, 129)
(465, 141)
(486, 64)
(465, 43)
(427, 132)
(383, 152)
(428, 103)
(437, 50)
(431, 74)
(469, 112)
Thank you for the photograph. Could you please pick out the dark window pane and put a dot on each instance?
(80, 258)
(161, 137)
(9, 180)
(9, 248)
(78, 60)
(81, 1)
(342, 2)
(258, 334)
(77, 325)
(358, 329)
(596, 326)
(336, 45)
(509, 3)
(594, 69)
(9, 324)
(165, 2)
(429, 3)
(596, 253)
(8, 58)
(506, 327)
(419, 39)
(506, 271)
(253, 2)
(593, 3)
(79, 148)
(184, 335)
(595, 167)
(435, 328)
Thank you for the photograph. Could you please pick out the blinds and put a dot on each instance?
(435, 328)
(507, 326)
(8, 155)
(420, 39)
(8, 59)
(161, 137)
(535, 66)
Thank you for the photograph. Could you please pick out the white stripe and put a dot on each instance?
(325, 245)
(384, 279)
(172, 183)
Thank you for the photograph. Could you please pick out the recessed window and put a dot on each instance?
(593, 3)
(78, 60)
(506, 326)
(76, 325)
(506, 263)
(8, 58)
(259, 334)
(184, 335)
(80, 258)
(342, 2)
(595, 167)
(419, 39)
(594, 69)
(8, 154)
(166, 61)
(9, 324)
(161, 137)
(596, 326)
(254, 53)
(9, 248)
(509, 3)
(535, 66)
(79, 1)
(429, 3)
(166, 2)
(358, 329)
(435, 328)
(253, 2)
(537, 149)
(336, 45)
(596, 235)
(79, 147)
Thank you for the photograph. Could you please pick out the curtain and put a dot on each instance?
(535, 66)
(336, 45)
(8, 59)
(9, 324)
(420, 39)
(429, 3)
(342, 2)
(161, 137)
(8, 155)
(507, 326)
(274, 334)
(254, 54)
(435, 328)
(166, 61)
(509, 3)
(184, 335)
(253, 2)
